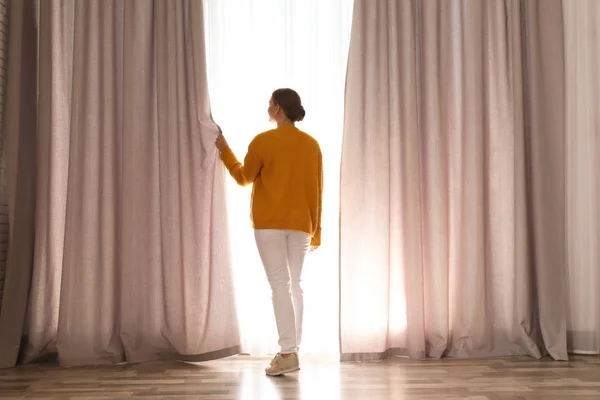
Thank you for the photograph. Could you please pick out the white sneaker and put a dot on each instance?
(282, 365)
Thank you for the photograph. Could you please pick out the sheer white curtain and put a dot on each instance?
(582, 64)
(253, 48)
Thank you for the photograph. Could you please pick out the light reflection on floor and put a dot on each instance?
(509, 378)
(315, 381)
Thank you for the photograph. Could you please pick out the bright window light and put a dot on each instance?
(253, 48)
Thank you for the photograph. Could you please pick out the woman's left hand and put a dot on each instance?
(221, 143)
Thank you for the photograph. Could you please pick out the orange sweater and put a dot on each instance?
(286, 167)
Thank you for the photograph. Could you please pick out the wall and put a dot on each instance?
(3, 198)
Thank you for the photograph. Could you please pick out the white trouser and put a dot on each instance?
(282, 253)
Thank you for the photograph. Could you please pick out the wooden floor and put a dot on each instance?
(243, 378)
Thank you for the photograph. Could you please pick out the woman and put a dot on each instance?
(286, 169)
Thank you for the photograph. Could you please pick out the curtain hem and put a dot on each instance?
(213, 355)
(115, 359)
(433, 354)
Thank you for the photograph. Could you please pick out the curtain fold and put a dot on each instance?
(131, 258)
(4, 24)
(452, 187)
(544, 105)
(582, 63)
(20, 126)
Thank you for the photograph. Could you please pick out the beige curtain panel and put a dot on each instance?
(453, 236)
(118, 245)
(469, 183)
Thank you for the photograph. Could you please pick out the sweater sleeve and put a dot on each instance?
(244, 174)
(316, 237)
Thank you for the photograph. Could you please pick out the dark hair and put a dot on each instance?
(291, 104)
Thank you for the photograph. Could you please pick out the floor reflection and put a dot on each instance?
(314, 381)
(510, 378)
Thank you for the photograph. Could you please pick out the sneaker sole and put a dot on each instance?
(285, 371)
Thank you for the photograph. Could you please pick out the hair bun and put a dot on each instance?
(300, 113)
